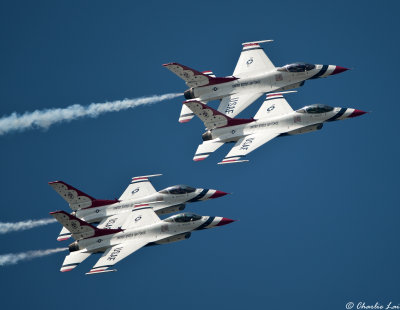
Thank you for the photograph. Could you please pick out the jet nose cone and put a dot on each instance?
(225, 221)
(339, 69)
(357, 113)
(218, 194)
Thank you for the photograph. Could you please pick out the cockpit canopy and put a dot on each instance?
(315, 108)
(178, 190)
(297, 67)
(183, 218)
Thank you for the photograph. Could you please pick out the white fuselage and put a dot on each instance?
(157, 232)
(291, 123)
(261, 82)
(162, 203)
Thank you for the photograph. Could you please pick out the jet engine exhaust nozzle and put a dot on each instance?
(207, 136)
(189, 94)
(73, 246)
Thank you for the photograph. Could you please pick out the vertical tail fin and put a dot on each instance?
(194, 78)
(79, 228)
(212, 118)
(76, 198)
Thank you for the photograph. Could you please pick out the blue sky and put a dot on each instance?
(318, 213)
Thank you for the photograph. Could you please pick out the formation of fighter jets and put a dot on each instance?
(140, 191)
(119, 227)
(130, 222)
(254, 75)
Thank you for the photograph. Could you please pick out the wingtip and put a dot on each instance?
(232, 161)
(62, 239)
(55, 212)
(99, 271)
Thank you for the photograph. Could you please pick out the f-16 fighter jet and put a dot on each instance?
(92, 210)
(126, 234)
(253, 76)
(274, 118)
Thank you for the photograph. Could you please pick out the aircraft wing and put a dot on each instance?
(253, 58)
(274, 105)
(141, 215)
(139, 187)
(246, 145)
(114, 222)
(117, 253)
(234, 104)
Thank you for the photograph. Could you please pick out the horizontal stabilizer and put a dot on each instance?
(212, 118)
(194, 78)
(205, 149)
(72, 260)
(186, 114)
(64, 234)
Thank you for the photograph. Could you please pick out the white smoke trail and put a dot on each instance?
(45, 118)
(23, 225)
(14, 258)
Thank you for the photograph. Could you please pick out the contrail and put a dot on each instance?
(14, 258)
(23, 225)
(45, 118)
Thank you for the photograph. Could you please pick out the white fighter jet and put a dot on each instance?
(126, 234)
(253, 76)
(169, 200)
(274, 118)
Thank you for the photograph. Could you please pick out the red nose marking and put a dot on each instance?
(357, 113)
(225, 221)
(218, 194)
(339, 69)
